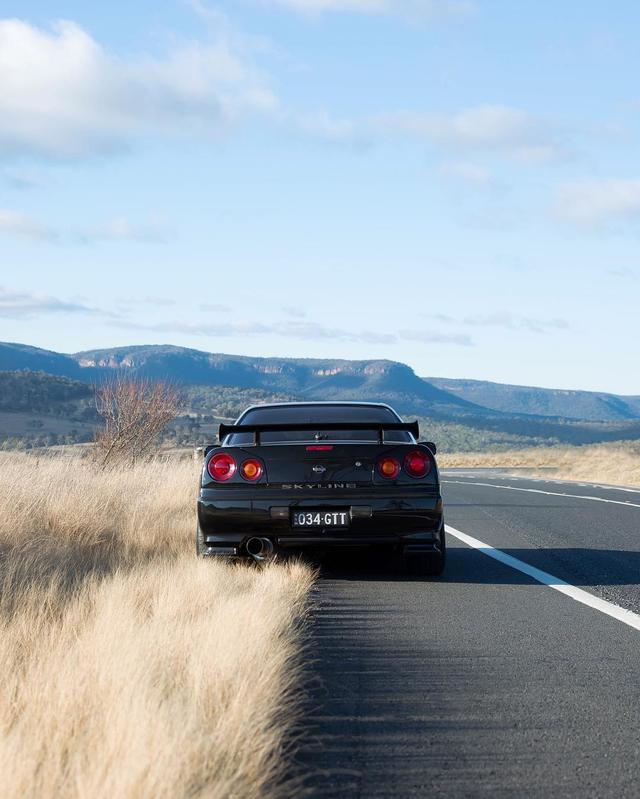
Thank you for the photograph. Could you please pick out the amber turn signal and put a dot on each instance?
(389, 468)
(251, 470)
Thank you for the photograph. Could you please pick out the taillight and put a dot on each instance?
(389, 468)
(251, 470)
(417, 464)
(222, 467)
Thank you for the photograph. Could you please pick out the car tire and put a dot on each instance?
(427, 564)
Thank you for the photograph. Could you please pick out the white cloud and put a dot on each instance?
(491, 128)
(598, 202)
(20, 224)
(466, 172)
(63, 95)
(412, 9)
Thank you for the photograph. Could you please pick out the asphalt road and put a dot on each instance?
(485, 682)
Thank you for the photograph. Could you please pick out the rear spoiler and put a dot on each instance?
(314, 427)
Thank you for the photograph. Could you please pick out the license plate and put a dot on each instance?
(320, 518)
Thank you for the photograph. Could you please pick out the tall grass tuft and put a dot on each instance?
(129, 668)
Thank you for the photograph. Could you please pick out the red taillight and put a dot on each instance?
(251, 470)
(389, 468)
(417, 464)
(222, 467)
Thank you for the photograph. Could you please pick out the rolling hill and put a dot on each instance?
(587, 405)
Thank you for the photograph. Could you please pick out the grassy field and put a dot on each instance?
(618, 464)
(131, 669)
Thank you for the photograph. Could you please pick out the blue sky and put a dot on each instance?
(452, 184)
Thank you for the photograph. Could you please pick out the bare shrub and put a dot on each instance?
(134, 412)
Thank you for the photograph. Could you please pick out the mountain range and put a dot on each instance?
(311, 378)
(540, 413)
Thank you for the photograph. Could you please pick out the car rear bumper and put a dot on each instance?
(227, 522)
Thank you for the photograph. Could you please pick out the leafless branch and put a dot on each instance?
(134, 412)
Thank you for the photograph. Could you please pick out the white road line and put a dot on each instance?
(547, 493)
(512, 478)
(602, 485)
(584, 597)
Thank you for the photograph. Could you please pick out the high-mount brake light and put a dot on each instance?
(319, 448)
(389, 468)
(222, 467)
(417, 464)
(251, 470)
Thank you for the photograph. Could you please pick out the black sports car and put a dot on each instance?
(321, 475)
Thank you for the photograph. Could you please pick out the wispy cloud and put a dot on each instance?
(294, 329)
(509, 322)
(289, 329)
(22, 177)
(431, 337)
(24, 225)
(295, 311)
(504, 320)
(411, 9)
(325, 127)
(466, 172)
(119, 228)
(159, 302)
(63, 95)
(597, 202)
(314, 330)
(213, 307)
(490, 128)
(623, 272)
(26, 305)
(122, 229)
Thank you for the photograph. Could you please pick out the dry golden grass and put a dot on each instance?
(130, 668)
(601, 463)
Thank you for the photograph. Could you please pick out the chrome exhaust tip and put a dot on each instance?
(260, 548)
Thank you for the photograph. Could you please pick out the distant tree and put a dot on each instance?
(134, 413)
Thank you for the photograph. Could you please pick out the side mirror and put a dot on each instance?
(431, 446)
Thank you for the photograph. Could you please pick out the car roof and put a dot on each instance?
(322, 403)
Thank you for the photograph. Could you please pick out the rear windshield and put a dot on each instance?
(308, 414)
